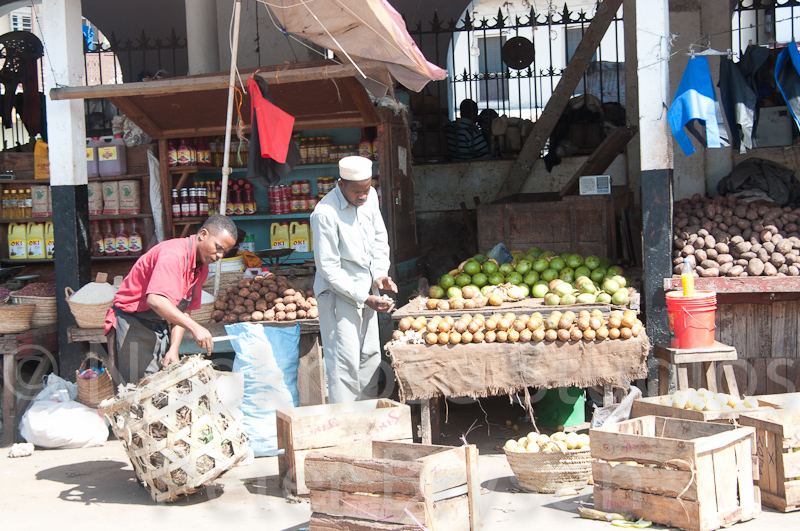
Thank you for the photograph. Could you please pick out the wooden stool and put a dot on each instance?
(707, 356)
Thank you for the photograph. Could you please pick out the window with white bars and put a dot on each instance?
(20, 22)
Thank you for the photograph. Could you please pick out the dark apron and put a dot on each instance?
(142, 339)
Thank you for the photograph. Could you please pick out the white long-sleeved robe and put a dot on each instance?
(351, 250)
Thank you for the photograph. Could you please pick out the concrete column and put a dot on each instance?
(201, 36)
(655, 152)
(66, 131)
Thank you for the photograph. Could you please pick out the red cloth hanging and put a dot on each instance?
(274, 125)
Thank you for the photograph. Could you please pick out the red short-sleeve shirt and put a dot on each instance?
(169, 269)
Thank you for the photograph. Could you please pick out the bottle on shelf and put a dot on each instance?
(687, 278)
(172, 152)
(28, 199)
(365, 145)
(176, 204)
(135, 246)
(184, 202)
(202, 201)
(35, 240)
(98, 243)
(12, 205)
(109, 240)
(249, 201)
(238, 204)
(184, 153)
(112, 157)
(279, 235)
(193, 202)
(49, 240)
(123, 244)
(17, 244)
(229, 204)
(311, 150)
(301, 147)
(6, 204)
(92, 168)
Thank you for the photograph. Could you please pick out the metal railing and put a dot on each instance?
(476, 53)
(110, 61)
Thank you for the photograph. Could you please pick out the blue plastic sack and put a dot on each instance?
(501, 254)
(268, 358)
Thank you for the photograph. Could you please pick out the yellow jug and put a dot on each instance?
(49, 239)
(298, 235)
(279, 236)
(17, 244)
(35, 240)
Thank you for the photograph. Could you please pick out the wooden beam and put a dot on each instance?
(216, 81)
(602, 157)
(576, 68)
(139, 117)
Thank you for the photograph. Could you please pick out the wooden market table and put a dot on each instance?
(426, 372)
(42, 343)
(310, 372)
(760, 318)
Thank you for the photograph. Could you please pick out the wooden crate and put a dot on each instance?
(394, 486)
(777, 438)
(304, 429)
(704, 478)
(652, 405)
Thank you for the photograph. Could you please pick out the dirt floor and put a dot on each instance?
(53, 488)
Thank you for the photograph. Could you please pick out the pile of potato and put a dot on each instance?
(726, 236)
(558, 442)
(264, 298)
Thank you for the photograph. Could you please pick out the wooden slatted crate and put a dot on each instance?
(304, 429)
(652, 405)
(702, 479)
(778, 451)
(394, 487)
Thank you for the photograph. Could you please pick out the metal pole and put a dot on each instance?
(226, 170)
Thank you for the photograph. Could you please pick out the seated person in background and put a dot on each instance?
(464, 139)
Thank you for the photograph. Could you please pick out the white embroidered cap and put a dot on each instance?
(355, 168)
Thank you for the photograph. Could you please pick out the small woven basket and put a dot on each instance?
(45, 309)
(89, 315)
(549, 471)
(203, 313)
(15, 318)
(178, 434)
(93, 391)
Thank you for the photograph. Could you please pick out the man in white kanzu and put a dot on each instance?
(351, 252)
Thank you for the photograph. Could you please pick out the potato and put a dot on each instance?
(755, 267)
(313, 313)
(244, 283)
(279, 300)
(280, 316)
(725, 268)
(269, 275)
(743, 224)
(724, 259)
(763, 255)
(238, 301)
(777, 259)
(735, 271)
(770, 270)
(743, 247)
(312, 301)
(254, 296)
(709, 264)
(291, 307)
(220, 305)
(291, 316)
(301, 314)
(710, 242)
(280, 307)
(239, 309)
(794, 271)
(231, 289)
(700, 255)
(261, 305)
(264, 292)
(711, 272)
(288, 292)
(217, 315)
(245, 317)
(270, 296)
(249, 304)
(699, 243)
(269, 315)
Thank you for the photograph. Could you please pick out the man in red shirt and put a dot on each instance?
(163, 284)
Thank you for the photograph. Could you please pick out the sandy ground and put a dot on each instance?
(53, 489)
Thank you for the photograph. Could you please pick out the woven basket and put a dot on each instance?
(92, 392)
(178, 435)
(88, 315)
(45, 312)
(227, 279)
(549, 471)
(203, 314)
(15, 318)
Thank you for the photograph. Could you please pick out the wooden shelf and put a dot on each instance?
(740, 285)
(31, 261)
(91, 218)
(91, 179)
(254, 217)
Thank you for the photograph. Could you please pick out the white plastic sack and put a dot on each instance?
(268, 358)
(607, 415)
(55, 420)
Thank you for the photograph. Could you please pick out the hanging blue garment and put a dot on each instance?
(788, 80)
(694, 100)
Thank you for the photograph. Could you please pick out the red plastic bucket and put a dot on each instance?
(691, 319)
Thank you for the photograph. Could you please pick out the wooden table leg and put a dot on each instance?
(683, 377)
(9, 399)
(311, 371)
(425, 421)
(473, 487)
(711, 375)
(730, 379)
(663, 377)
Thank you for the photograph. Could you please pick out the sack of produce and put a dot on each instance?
(90, 303)
(177, 432)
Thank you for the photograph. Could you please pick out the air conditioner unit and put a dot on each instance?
(595, 185)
